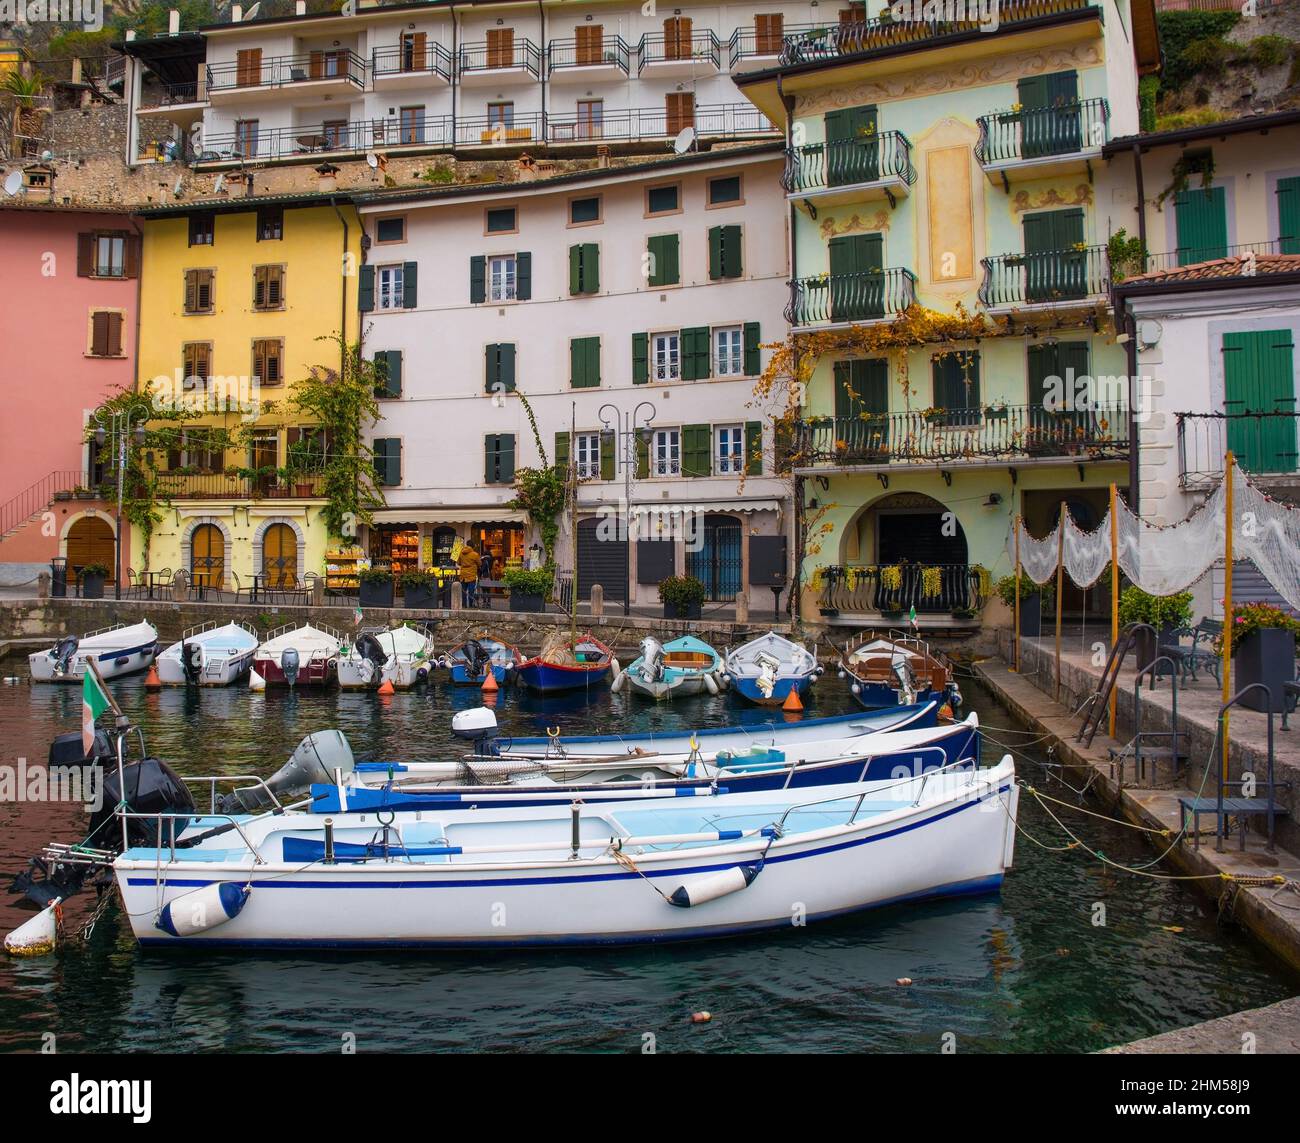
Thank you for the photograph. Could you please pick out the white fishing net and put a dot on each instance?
(1267, 533)
(1086, 554)
(1164, 561)
(1037, 557)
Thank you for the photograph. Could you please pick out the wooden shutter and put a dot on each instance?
(753, 356)
(695, 353)
(724, 252)
(499, 458)
(114, 335)
(697, 450)
(1288, 215)
(389, 364)
(584, 268)
(1258, 377)
(769, 30)
(268, 361)
(642, 456)
(506, 367)
(366, 289)
(523, 276)
(248, 67)
(410, 270)
(584, 362)
(1201, 220)
(198, 291)
(951, 374)
(131, 258)
(561, 450)
(500, 47)
(754, 448)
(85, 255)
(478, 278)
(99, 333)
(419, 50)
(853, 14)
(316, 65)
(607, 456)
(663, 248)
(640, 358)
(588, 43)
(677, 38)
(680, 110)
(575, 269)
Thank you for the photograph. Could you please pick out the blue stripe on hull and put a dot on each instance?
(551, 680)
(748, 690)
(461, 677)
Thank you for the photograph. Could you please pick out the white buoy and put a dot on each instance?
(614, 665)
(711, 684)
(255, 681)
(39, 935)
(712, 886)
(213, 905)
(617, 684)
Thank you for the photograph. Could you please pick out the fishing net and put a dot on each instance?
(1164, 561)
(1086, 554)
(1267, 533)
(1037, 557)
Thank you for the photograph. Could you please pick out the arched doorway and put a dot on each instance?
(91, 541)
(208, 556)
(714, 559)
(280, 555)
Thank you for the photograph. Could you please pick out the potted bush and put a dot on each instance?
(82, 493)
(1263, 651)
(419, 588)
(682, 597)
(1032, 599)
(376, 587)
(529, 590)
(1164, 613)
(92, 581)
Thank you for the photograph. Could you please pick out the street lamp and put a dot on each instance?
(116, 423)
(624, 429)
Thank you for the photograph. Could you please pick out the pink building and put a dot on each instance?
(67, 341)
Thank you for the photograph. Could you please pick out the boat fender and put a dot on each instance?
(698, 890)
(820, 670)
(421, 673)
(617, 684)
(205, 909)
(255, 681)
(856, 688)
(840, 673)
(711, 684)
(614, 666)
(39, 935)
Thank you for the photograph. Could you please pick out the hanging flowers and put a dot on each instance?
(931, 582)
(891, 577)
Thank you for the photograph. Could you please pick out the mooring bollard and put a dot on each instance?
(742, 607)
(318, 593)
(597, 601)
(43, 585)
(457, 595)
(179, 591)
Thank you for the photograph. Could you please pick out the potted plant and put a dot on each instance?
(682, 597)
(1263, 651)
(529, 590)
(1164, 613)
(65, 494)
(83, 493)
(92, 581)
(375, 587)
(419, 588)
(1032, 598)
(996, 412)
(304, 460)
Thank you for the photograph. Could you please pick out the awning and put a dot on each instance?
(670, 506)
(485, 515)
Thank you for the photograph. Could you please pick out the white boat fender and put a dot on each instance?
(614, 664)
(710, 887)
(204, 909)
(39, 935)
(255, 681)
(711, 684)
(617, 684)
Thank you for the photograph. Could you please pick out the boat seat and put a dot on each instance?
(687, 659)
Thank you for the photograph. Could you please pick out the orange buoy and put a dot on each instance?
(386, 687)
(151, 681)
(490, 685)
(945, 711)
(792, 701)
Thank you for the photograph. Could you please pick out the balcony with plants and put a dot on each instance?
(1077, 276)
(876, 166)
(1040, 141)
(825, 300)
(940, 593)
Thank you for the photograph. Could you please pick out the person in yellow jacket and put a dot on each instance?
(469, 562)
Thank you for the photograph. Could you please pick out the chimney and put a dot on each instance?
(300, 8)
(527, 169)
(602, 156)
(236, 13)
(76, 69)
(327, 178)
(173, 22)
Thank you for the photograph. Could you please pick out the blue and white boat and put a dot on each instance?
(685, 666)
(117, 650)
(562, 666)
(767, 670)
(468, 664)
(209, 655)
(899, 672)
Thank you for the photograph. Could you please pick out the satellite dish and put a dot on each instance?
(253, 10)
(372, 160)
(13, 183)
(47, 156)
(685, 140)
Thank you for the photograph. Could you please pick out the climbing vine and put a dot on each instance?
(542, 492)
(1187, 164)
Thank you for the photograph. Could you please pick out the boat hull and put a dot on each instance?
(316, 673)
(551, 678)
(877, 696)
(460, 676)
(404, 675)
(748, 689)
(113, 664)
(681, 687)
(218, 670)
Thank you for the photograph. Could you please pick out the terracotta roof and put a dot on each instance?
(1219, 268)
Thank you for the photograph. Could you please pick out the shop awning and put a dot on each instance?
(707, 506)
(485, 515)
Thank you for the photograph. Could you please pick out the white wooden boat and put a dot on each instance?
(121, 649)
(892, 672)
(400, 655)
(209, 655)
(685, 666)
(303, 656)
(767, 670)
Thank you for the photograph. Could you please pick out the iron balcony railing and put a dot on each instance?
(717, 121)
(283, 71)
(746, 43)
(329, 138)
(1052, 276)
(490, 131)
(865, 296)
(849, 162)
(896, 589)
(568, 53)
(1041, 132)
(659, 47)
(1190, 255)
(884, 32)
(522, 54)
(63, 484)
(404, 59)
(1264, 444)
(943, 435)
(182, 484)
(171, 94)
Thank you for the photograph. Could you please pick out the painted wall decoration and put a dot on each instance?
(854, 224)
(1024, 200)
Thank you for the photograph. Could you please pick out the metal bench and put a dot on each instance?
(1201, 653)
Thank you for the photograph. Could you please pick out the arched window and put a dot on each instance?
(280, 556)
(208, 556)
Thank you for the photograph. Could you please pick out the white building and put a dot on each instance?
(645, 290)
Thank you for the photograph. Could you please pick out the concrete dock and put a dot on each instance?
(1274, 1030)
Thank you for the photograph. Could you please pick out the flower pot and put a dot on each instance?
(425, 595)
(527, 601)
(84, 495)
(676, 611)
(1266, 655)
(92, 585)
(302, 489)
(376, 594)
(63, 496)
(1031, 615)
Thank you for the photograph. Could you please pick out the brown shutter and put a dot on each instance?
(681, 111)
(589, 41)
(259, 287)
(132, 256)
(853, 14)
(99, 333)
(191, 290)
(677, 38)
(500, 47)
(85, 255)
(203, 290)
(274, 286)
(768, 32)
(419, 50)
(317, 65)
(114, 335)
(248, 67)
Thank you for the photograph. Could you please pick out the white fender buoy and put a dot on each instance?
(255, 681)
(39, 935)
(697, 890)
(197, 912)
(711, 684)
(614, 664)
(617, 684)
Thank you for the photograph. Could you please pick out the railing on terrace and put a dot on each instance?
(492, 132)
(885, 32)
(1051, 276)
(37, 497)
(520, 53)
(849, 162)
(1264, 444)
(283, 71)
(170, 94)
(326, 138)
(718, 121)
(699, 46)
(184, 484)
(568, 53)
(404, 59)
(747, 43)
(1041, 132)
(960, 434)
(897, 588)
(1189, 255)
(850, 297)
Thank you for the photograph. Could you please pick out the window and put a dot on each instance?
(248, 67)
(270, 223)
(201, 228)
(196, 363)
(414, 47)
(268, 287)
(730, 453)
(110, 256)
(388, 373)
(334, 132)
(199, 450)
(388, 461)
(246, 138)
(587, 456)
(390, 230)
(957, 385)
(666, 454)
(584, 268)
(501, 114)
(502, 220)
(499, 370)
(268, 361)
(584, 210)
(396, 287)
(391, 287)
(410, 125)
(724, 252)
(853, 14)
(198, 291)
(591, 118)
(106, 333)
(728, 352)
(665, 265)
(667, 356)
(502, 279)
(499, 458)
(724, 190)
(584, 362)
(663, 200)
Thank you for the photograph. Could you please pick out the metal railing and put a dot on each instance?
(699, 46)
(283, 71)
(746, 43)
(956, 587)
(1187, 256)
(865, 36)
(1039, 132)
(1264, 444)
(170, 94)
(329, 138)
(944, 435)
(566, 53)
(849, 162)
(718, 121)
(866, 296)
(1051, 276)
(521, 53)
(18, 509)
(484, 130)
(401, 59)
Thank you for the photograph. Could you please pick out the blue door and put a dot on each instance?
(715, 560)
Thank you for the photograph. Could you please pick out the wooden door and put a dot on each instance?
(769, 30)
(280, 556)
(500, 47)
(681, 111)
(1054, 268)
(208, 556)
(852, 147)
(857, 278)
(90, 541)
(248, 67)
(589, 43)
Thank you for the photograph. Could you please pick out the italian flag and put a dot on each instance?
(93, 703)
(911, 615)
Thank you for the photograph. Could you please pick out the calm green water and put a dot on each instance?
(1026, 971)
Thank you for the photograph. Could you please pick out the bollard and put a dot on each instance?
(43, 585)
(179, 592)
(318, 592)
(597, 600)
(457, 595)
(742, 607)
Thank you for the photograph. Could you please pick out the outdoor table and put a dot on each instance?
(311, 142)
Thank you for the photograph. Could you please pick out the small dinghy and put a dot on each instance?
(303, 656)
(768, 670)
(567, 666)
(117, 650)
(894, 672)
(401, 655)
(685, 666)
(468, 664)
(209, 655)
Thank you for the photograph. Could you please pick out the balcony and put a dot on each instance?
(483, 64)
(634, 125)
(827, 299)
(947, 588)
(1264, 444)
(993, 434)
(491, 131)
(851, 170)
(1190, 255)
(883, 34)
(186, 484)
(178, 103)
(1054, 278)
(400, 67)
(567, 61)
(341, 72)
(748, 50)
(326, 139)
(1044, 141)
(678, 56)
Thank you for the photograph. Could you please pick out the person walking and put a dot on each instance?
(469, 563)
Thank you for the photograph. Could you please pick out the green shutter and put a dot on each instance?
(640, 358)
(507, 351)
(365, 290)
(859, 163)
(388, 460)
(1201, 222)
(562, 450)
(697, 448)
(491, 370)
(499, 458)
(523, 276)
(1288, 215)
(394, 462)
(754, 448)
(388, 367)
(593, 360)
(499, 367)
(753, 358)
(478, 278)
(715, 252)
(664, 248)
(1258, 377)
(642, 455)
(731, 244)
(575, 269)
(607, 443)
(694, 348)
(490, 458)
(410, 278)
(584, 362)
(379, 448)
(584, 268)
(951, 372)
(846, 403)
(507, 457)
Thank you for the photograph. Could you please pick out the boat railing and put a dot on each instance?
(168, 842)
(245, 781)
(103, 631)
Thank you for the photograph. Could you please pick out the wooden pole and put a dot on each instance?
(1225, 668)
(1016, 524)
(1114, 592)
(1060, 591)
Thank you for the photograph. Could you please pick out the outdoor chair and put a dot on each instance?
(1200, 653)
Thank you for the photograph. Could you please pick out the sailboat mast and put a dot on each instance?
(573, 520)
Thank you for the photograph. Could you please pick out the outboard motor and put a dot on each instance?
(66, 750)
(769, 666)
(148, 786)
(477, 658)
(906, 682)
(372, 655)
(192, 662)
(289, 664)
(316, 759)
(64, 649)
(479, 726)
(652, 659)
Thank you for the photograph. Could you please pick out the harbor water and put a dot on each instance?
(1071, 956)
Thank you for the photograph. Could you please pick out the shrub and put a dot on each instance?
(415, 577)
(94, 569)
(1179, 30)
(1268, 51)
(1208, 57)
(1250, 617)
(375, 575)
(1136, 606)
(1006, 589)
(681, 591)
(525, 582)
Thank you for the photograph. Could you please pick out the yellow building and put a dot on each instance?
(238, 302)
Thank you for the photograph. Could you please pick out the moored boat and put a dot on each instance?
(468, 664)
(122, 649)
(892, 672)
(401, 655)
(767, 670)
(685, 666)
(303, 656)
(564, 665)
(209, 655)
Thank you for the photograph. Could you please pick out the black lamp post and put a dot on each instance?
(624, 429)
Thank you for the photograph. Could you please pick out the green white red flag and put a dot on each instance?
(93, 703)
